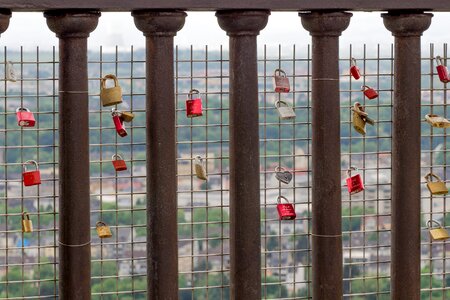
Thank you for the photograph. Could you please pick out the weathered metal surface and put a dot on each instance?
(5, 15)
(405, 209)
(245, 220)
(281, 5)
(73, 29)
(325, 29)
(160, 27)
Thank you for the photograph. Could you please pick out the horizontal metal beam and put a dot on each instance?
(213, 5)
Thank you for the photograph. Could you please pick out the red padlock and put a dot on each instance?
(369, 92)
(25, 117)
(118, 122)
(31, 177)
(354, 70)
(285, 210)
(354, 183)
(281, 81)
(118, 163)
(442, 70)
(194, 105)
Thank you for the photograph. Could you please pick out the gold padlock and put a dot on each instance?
(27, 225)
(439, 233)
(438, 187)
(127, 116)
(103, 230)
(360, 118)
(437, 121)
(200, 170)
(113, 95)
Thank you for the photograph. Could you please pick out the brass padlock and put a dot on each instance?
(27, 225)
(360, 118)
(438, 233)
(437, 121)
(103, 230)
(127, 116)
(113, 95)
(284, 110)
(200, 170)
(438, 187)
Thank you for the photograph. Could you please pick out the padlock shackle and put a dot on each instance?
(365, 87)
(25, 214)
(281, 102)
(199, 159)
(279, 169)
(439, 60)
(115, 112)
(359, 109)
(30, 162)
(429, 177)
(352, 61)
(109, 76)
(192, 93)
(349, 171)
(430, 224)
(22, 109)
(280, 73)
(100, 223)
(282, 197)
(116, 157)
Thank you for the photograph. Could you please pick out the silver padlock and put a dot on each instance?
(10, 72)
(200, 170)
(280, 81)
(284, 110)
(282, 175)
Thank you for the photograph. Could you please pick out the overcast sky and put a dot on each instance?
(201, 28)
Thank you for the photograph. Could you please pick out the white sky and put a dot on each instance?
(201, 28)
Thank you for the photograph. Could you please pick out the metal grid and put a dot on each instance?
(28, 266)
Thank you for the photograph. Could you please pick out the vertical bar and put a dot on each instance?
(405, 238)
(325, 29)
(245, 243)
(72, 29)
(160, 27)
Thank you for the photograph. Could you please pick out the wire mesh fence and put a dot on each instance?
(29, 261)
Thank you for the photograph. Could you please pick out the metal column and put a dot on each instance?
(325, 29)
(405, 240)
(72, 29)
(159, 28)
(245, 221)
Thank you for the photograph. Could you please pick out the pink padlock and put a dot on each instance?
(118, 123)
(442, 70)
(354, 183)
(285, 210)
(194, 104)
(354, 70)
(25, 117)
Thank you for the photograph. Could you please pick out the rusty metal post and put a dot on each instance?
(325, 29)
(159, 28)
(245, 221)
(72, 29)
(405, 239)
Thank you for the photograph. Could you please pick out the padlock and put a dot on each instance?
(194, 104)
(280, 81)
(200, 170)
(360, 118)
(127, 116)
(118, 123)
(113, 95)
(25, 117)
(354, 183)
(437, 121)
(438, 233)
(118, 163)
(284, 110)
(282, 175)
(438, 187)
(10, 72)
(354, 70)
(103, 230)
(369, 92)
(27, 225)
(31, 177)
(442, 70)
(285, 210)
